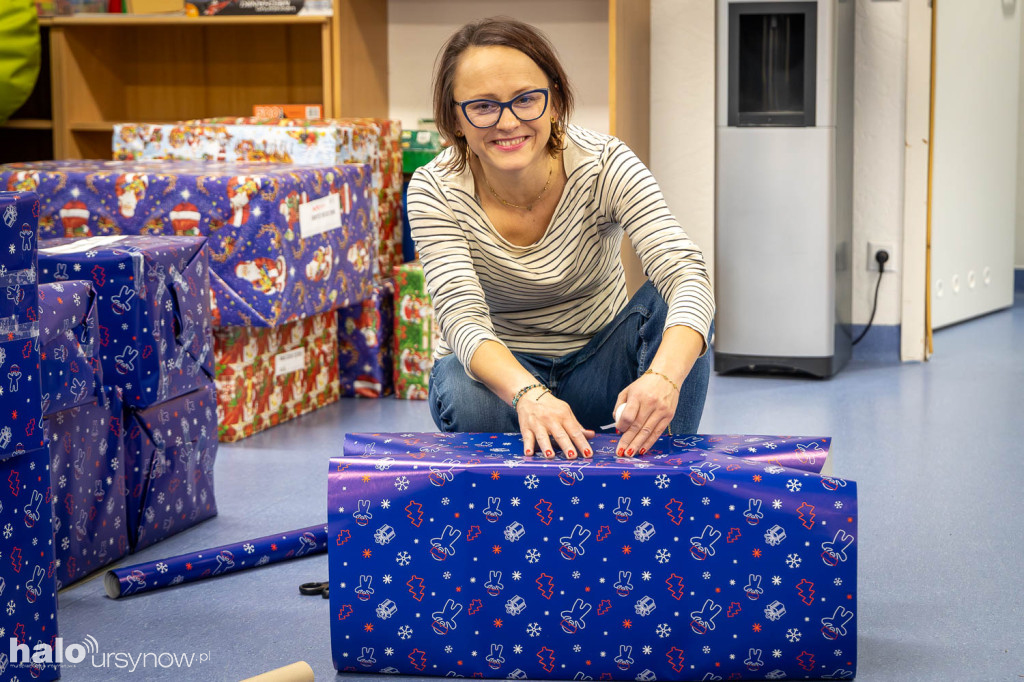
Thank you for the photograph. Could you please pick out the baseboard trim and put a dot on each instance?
(882, 343)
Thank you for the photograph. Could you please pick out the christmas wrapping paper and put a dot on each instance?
(416, 334)
(451, 555)
(28, 588)
(153, 308)
(365, 350)
(87, 472)
(20, 394)
(68, 343)
(169, 455)
(285, 241)
(322, 142)
(266, 377)
(208, 563)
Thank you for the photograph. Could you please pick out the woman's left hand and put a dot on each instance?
(650, 404)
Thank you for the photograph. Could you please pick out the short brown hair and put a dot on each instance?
(505, 32)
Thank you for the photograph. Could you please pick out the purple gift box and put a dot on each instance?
(365, 348)
(286, 241)
(69, 350)
(87, 469)
(156, 341)
(170, 449)
(28, 585)
(20, 395)
(452, 555)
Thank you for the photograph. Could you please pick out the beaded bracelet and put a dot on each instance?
(522, 392)
(674, 385)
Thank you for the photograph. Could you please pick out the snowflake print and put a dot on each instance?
(707, 575)
(793, 560)
(647, 649)
(445, 501)
(533, 556)
(533, 629)
(705, 501)
(10, 608)
(531, 482)
(405, 632)
(706, 649)
(160, 498)
(2, 632)
(777, 653)
(516, 575)
(403, 559)
(575, 500)
(837, 582)
(837, 652)
(8, 531)
(63, 481)
(793, 635)
(776, 580)
(839, 504)
(162, 567)
(448, 649)
(386, 504)
(387, 578)
(402, 482)
(776, 504)
(65, 543)
(447, 575)
(662, 556)
(117, 522)
(576, 574)
(645, 501)
(663, 630)
(661, 481)
(794, 485)
(249, 548)
(646, 575)
(514, 501)
(388, 651)
(517, 649)
(577, 648)
(770, 446)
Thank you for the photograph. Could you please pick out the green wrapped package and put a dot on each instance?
(415, 332)
(19, 54)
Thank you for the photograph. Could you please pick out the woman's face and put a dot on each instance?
(501, 73)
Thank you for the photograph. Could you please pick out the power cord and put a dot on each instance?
(881, 256)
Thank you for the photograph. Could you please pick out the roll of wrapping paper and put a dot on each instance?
(207, 563)
(296, 672)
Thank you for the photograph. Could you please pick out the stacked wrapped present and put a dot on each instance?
(29, 568)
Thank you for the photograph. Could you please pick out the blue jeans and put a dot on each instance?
(589, 379)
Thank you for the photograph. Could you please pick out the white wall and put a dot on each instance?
(682, 137)
(1019, 249)
(417, 30)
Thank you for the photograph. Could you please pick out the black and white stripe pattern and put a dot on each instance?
(552, 296)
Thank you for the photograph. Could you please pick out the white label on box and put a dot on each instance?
(87, 244)
(290, 361)
(320, 215)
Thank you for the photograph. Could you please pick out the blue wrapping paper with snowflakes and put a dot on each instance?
(169, 456)
(453, 555)
(153, 306)
(87, 471)
(216, 561)
(28, 588)
(69, 345)
(286, 241)
(20, 397)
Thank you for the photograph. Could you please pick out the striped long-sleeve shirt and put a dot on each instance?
(551, 297)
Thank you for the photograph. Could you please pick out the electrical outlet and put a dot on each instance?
(891, 265)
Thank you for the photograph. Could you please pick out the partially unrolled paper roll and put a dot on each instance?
(207, 563)
(296, 672)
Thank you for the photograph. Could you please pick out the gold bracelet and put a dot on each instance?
(522, 392)
(674, 385)
(546, 390)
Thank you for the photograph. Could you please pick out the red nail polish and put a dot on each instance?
(618, 453)
(549, 453)
(586, 453)
(642, 450)
(630, 451)
(529, 451)
(571, 453)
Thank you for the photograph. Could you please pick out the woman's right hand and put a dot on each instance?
(543, 417)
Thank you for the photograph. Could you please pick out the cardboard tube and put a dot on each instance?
(296, 672)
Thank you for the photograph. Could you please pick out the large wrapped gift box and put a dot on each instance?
(268, 376)
(68, 345)
(326, 142)
(153, 307)
(416, 334)
(365, 351)
(285, 241)
(453, 555)
(20, 395)
(28, 568)
(169, 455)
(87, 471)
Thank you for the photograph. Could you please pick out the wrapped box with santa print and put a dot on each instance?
(170, 451)
(365, 350)
(269, 376)
(20, 393)
(69, 345)
(153, 302)
(87, 472)
(323, 142)
(453, 555)
(28, 572)
(416, 333)
(285, 241)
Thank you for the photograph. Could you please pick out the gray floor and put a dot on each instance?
(935, 448)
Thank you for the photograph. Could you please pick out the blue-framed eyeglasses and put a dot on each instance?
(485, 113)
